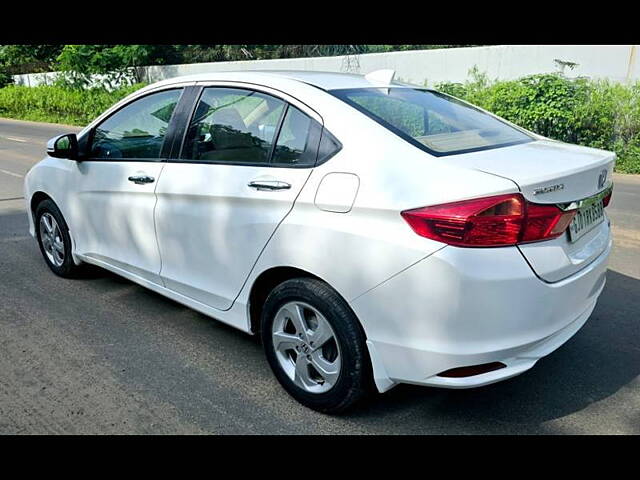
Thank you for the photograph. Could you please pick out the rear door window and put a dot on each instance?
(246, 127)
(233, 126)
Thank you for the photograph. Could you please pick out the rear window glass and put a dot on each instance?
(435, 122)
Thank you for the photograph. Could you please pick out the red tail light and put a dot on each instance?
(489, 222)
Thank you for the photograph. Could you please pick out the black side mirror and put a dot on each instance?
(63, 146)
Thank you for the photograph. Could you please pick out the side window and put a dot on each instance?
(233, 125)
(137, 130)
(295, 145)
(329, 146)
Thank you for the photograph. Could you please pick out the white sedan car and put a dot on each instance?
(372, 232)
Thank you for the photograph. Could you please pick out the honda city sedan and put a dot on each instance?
(371, 232)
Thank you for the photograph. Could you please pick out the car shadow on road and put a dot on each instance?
(599, 360)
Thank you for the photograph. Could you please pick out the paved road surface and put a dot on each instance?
(103, 355)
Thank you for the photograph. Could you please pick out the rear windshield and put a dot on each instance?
(437, 123)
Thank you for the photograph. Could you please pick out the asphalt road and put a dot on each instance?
(103, 355)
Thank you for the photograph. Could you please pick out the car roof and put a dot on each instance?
(323, 80)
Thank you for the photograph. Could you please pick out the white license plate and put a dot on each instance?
(585, 220)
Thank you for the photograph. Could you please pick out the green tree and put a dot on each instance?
(401, 48)
(116, 63)
(221, 53)
(19, 59)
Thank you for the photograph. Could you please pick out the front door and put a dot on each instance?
(112, 214)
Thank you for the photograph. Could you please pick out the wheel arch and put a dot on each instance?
(37, 198)
(268, 280)
(265, 283)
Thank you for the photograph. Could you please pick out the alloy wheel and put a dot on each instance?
(306, 347)
(51, 238)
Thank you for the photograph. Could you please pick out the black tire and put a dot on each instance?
(68, 268)
(355, 378)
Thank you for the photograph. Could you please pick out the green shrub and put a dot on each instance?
(594, 113)
(5, 78)
(57, 104)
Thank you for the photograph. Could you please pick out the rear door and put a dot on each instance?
(244, 158)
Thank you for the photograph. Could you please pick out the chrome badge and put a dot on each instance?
(602, 179)
(549, 189)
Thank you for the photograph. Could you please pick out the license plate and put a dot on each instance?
(585, 220)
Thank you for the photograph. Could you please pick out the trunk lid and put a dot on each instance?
(551, 172)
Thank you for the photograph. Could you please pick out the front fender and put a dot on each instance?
(51, 176)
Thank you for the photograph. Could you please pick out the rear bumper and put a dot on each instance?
(462, 307)
(517, 360)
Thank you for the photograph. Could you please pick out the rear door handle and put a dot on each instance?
(141, 179)
(269, 185)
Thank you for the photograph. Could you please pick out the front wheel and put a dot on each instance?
(54, 240)
(315, 345)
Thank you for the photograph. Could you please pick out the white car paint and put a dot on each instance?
(337, 192)
(115, 212)
(211, 227)
(466, 306)
(200, 236)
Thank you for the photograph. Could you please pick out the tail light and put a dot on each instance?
(489, 222)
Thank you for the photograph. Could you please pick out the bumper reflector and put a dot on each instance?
(472, 370)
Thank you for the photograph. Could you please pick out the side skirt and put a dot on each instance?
(235, 317)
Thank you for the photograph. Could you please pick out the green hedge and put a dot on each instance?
(58, 104)
(594, 113)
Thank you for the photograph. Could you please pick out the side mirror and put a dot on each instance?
(63, 146)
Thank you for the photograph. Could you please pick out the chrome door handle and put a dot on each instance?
(141, 179)
(269, 185)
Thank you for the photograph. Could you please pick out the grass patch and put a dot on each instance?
(58, 104)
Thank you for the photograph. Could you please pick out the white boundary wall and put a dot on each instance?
(618, 63)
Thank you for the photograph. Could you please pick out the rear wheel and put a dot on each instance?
(54, 240)
(315, 345)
